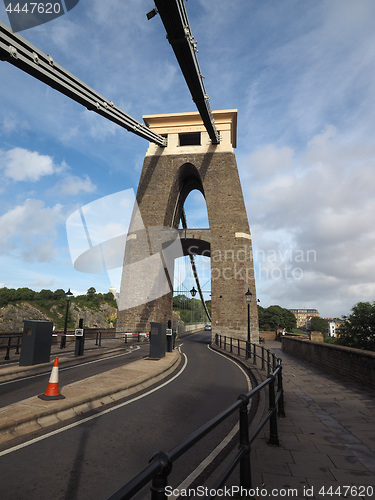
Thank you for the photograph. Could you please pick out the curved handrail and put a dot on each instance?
(161, 462)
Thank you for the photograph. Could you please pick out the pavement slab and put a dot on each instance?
(327, 438)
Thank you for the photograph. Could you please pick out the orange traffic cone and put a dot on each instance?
(52, 391)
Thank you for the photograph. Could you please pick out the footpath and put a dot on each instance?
(327, 439)
(33, 414)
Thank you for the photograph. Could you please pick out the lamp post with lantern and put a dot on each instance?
(248, 296)
(68, 296)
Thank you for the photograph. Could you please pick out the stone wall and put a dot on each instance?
(352, 363)
(270, 335)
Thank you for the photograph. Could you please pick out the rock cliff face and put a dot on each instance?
(12, 316)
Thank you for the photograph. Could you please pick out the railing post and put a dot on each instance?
(269, 371)
(263, 360)
(274, 437)
(245, 468)
(225, 342)
(238, 347)
(231, 345)
(18, 345)
(248, 351)
(280, 390)
(273, 362)
(97, 336)
(254, 354)
(216, 339)
(8, 348)
(160, 480)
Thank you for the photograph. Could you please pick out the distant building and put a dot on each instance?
(303, 316)
(115, 294)
(333, 325)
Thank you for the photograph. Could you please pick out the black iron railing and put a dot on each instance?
(251, 351)
(14, 342)
(161, 462)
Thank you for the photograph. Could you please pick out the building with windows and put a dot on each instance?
(333, 325)
(304, 316)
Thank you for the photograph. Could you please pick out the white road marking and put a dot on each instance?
(136, 348)
(92, 417)
(208, 460)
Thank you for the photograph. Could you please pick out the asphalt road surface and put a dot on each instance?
(94, 459)
(28, 386)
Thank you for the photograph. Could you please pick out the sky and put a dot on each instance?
(301, 75)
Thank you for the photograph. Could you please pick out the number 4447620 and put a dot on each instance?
(34, 8)
(346, 491)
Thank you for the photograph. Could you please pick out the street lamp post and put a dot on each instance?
(193, 294)
(248, 296)
(68, 296)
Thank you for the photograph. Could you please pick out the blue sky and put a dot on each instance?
(300, 73)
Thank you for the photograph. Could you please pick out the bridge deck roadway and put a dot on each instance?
(327, 437)
(33, 414)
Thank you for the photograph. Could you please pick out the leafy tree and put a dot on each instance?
(275, 317)
(319, 325)
(7, 295)
(181, 302)
(109, 297)
(358, 330)
(45, 295)
(191, 310)
(59, 294)
(25, 294)
(91, 293)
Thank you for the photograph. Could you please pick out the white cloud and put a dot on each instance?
(73, 185)
(20, 164)
(29, 230)
(302, 76)
(317, 201)
(42, 282)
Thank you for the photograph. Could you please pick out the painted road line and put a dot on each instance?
(70, 367)
(93, 417)
(209, 459)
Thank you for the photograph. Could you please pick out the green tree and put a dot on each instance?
(25, 294)
(109, 297)
(45, 295)
(319, 325)
(59, 294)
(7, 295)
(91, 293)
(358, 329)
(275, 317)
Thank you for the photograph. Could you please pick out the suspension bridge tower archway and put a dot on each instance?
(190, 161)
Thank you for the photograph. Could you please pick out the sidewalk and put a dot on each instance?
(84, 396)
(327, 437)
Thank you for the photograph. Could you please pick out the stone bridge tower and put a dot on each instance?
(169, 174)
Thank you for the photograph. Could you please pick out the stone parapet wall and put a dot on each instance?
(269, 335)
(352, 363)
(184, 330)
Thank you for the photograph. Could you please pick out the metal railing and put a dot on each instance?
(11, 345)
(250, 351)
(161, 462)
